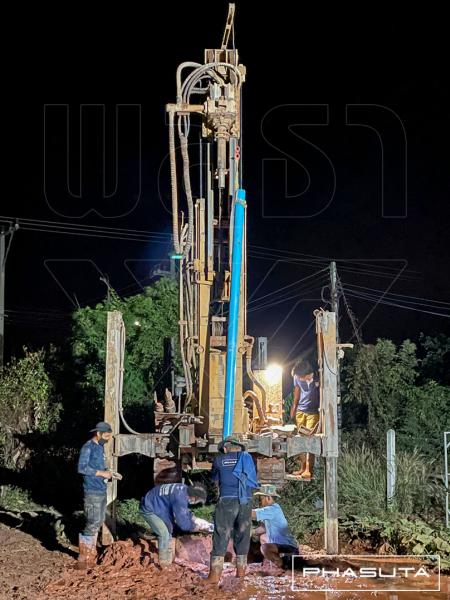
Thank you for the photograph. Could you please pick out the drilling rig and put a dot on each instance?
(222, 394)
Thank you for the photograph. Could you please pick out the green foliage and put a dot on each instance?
(424, 417)
(435, 364)
(382, 391)
(128, 510)
(26, 406)
(17, 499)
(398, 535)
(362, 483)
(204, 512)
(149, 317)
(301, 505)
(378, 377)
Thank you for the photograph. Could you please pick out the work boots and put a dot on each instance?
(241, 564)
(87, 549)
(165, 557)
(215, 570)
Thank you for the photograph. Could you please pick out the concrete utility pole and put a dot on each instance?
(3, 256)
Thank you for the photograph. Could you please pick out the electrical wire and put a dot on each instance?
(380, 300)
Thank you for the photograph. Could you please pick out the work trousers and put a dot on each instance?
(159, 528)
(94, 512)
(232, 519)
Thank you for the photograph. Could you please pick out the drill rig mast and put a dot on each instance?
(223, 395)
(210, 243)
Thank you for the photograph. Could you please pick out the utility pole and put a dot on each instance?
(4, 250)
(335, 309)
(105, 280)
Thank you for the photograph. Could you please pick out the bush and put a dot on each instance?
(17, 499)
(396, 535)
(128, 510)
(26, 406)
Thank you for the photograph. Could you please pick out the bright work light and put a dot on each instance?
(273, 374)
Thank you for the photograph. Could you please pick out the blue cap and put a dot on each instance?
(103, 427)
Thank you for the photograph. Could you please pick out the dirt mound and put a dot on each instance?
(26, 566)
(125, 555)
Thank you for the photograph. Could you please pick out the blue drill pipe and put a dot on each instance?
(233, 319)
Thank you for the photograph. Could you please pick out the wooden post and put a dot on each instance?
(326, 326)
(115, 345)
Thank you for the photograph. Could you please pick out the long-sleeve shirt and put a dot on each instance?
(92, 459)
(170, 503)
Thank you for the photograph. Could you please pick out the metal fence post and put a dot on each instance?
(390, 466)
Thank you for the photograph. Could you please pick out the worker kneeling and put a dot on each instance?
(273, 532)
(167, 505)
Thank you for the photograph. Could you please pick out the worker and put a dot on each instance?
(234, 472)
(92, 466)
(167, 505)
(305, 410)
(273, 532)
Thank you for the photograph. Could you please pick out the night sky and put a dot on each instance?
(337, 108)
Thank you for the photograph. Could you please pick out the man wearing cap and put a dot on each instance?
(273, 531)
(92, 466)
(234, 471)
(167, 505)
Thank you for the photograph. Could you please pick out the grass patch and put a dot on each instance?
(16, 499)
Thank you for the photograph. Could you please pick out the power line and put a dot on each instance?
(72, 225)
(380, 300)
(352, 285)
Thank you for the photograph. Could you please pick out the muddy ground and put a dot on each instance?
(129, 570)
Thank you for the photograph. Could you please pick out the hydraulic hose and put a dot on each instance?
(188, 191)
(173, 181)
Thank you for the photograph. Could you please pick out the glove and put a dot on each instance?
(202, 525)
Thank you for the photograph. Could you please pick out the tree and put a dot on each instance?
(149, 317)
(436, 363)
(425, 416)
(378, 378)
(27, 405)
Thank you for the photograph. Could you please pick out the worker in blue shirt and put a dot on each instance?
(167, 505)
(234, 472)
(92, 466)
(273, 532)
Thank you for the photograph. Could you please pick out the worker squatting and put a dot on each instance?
(233, 471)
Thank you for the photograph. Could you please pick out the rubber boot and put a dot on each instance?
(87, 552)
(241, 564)
(165, 557)
(93, 552)
(215, 569)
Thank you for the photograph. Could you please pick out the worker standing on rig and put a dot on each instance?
(92, 466)
(234, 471)
(167, 505)
(305, 410)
